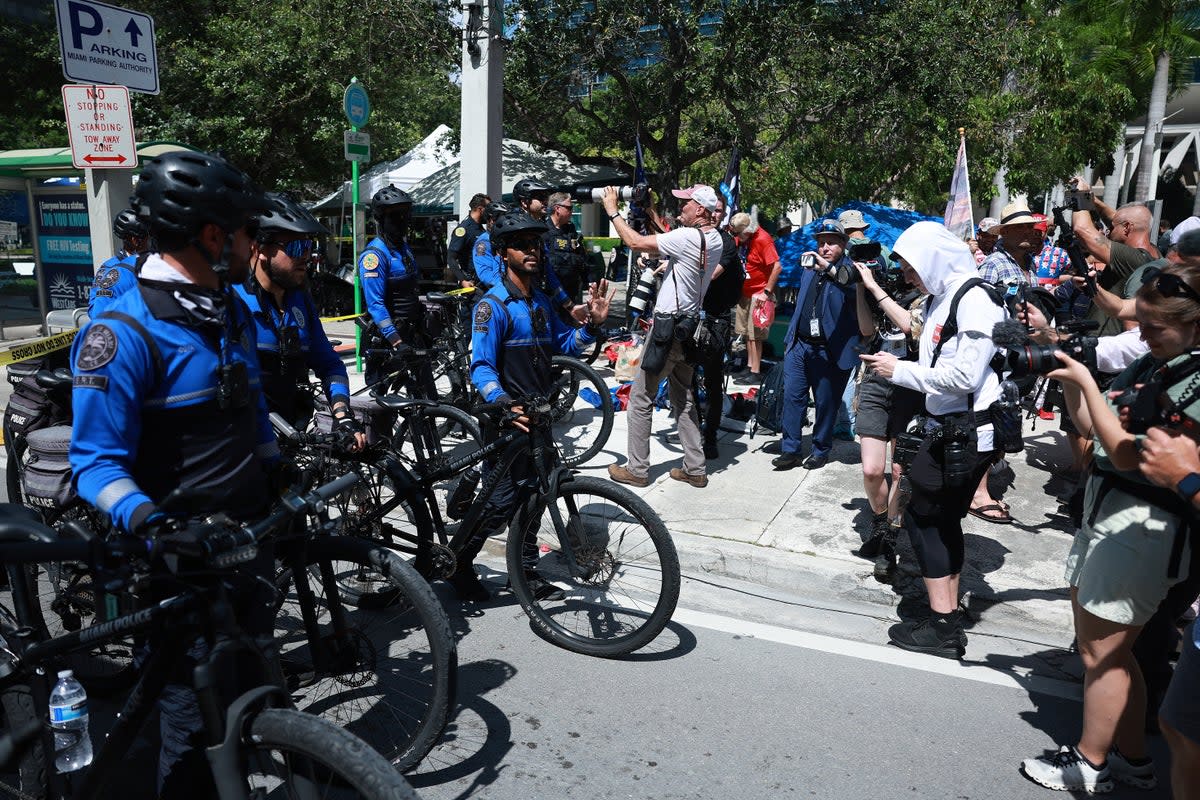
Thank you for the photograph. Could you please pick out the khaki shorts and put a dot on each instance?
(742, 325)
(1119, 565)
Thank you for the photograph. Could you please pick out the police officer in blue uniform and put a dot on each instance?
(515, 333)
(489, 268)
(118, 274)
(290, 338)
(390, 280)
(167, 394)
(462, 241)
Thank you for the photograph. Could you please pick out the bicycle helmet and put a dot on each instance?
(388, 198)
(284, 215)
(179, 193)
(496, 209)
(526, 187)
(514, 223)
(128, 226)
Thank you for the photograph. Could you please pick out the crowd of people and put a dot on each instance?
(202, 325)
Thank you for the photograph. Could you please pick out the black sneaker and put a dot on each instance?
(544, 590)
(945, 640)
(468, 587)
(885, 563)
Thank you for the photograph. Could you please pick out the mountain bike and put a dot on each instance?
(255, 743)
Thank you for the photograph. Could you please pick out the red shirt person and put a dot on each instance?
(762, 273)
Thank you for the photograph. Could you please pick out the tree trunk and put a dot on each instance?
(1147, 181)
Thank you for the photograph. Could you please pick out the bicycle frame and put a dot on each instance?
(223, 723)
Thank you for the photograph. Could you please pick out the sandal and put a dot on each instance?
(1000, 517)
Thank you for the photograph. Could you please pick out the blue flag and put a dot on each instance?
(731, 186)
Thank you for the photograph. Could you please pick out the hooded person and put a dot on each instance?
(953, 371)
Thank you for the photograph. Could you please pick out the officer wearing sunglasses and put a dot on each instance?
(290, 339)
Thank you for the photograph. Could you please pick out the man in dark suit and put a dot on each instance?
(822, 347)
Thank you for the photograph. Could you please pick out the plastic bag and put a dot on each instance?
(764, 311)
(629, 360)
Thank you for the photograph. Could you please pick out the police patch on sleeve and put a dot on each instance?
(298, 315)
(483, 313)
(98, 348)
(108, 279)
(480, 248)
(460, 231)
(369, 261)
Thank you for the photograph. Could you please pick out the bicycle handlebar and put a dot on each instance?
(284, 429)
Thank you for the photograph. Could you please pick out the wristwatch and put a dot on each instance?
(1189, 486)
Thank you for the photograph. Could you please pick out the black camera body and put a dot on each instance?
(956, 454)
(865, 251)
(1039, 359)
(1077, 200)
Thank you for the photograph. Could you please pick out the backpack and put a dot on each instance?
(768, 412)
(725, 291)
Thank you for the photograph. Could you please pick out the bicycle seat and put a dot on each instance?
(394, 402)
(53, 380)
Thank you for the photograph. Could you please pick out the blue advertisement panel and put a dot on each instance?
(65, 245)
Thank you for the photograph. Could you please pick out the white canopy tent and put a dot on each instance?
(433, 153)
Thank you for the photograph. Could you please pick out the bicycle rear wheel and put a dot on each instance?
(624, 587)
(384, 665)
(581, 410)
(287, 754)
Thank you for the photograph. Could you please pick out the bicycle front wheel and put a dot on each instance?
(613, 563)
(287, 754)
(581, 410)
(383, 663)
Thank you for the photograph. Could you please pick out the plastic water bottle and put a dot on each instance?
(463, 494)
(69, 719)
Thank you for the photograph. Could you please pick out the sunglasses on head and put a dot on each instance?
(1170, 285)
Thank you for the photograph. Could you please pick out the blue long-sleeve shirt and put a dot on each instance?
(317, 353)
(513, 339)
(115, 277)
(390, 285)
(147, 414)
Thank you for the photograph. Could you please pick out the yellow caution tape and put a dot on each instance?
(25, 352)
(338, 319)
(463, 290)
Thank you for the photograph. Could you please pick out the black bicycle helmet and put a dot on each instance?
(128, 226)
(179, 193)
(388, 198)
(514, 223)
(496, 209)
(525, 188)
(284, 215)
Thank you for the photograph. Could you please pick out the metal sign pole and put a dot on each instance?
(358, 300)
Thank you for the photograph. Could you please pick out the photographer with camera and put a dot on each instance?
(1134, 537)
(694, 250)
(820, 347)
(954, 372)
(886, 322)
(1126, 247)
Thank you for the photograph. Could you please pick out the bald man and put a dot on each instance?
(1126, 247)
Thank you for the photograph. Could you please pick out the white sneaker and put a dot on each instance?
(1140, 775)
(1067, 771)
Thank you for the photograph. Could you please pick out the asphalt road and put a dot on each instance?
(746, 695)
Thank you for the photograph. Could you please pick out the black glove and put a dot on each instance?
(347, 426)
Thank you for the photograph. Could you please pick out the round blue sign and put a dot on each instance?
(356, 105)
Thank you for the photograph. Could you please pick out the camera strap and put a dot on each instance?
(950, 327)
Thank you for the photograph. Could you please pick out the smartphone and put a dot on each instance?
(808, 261)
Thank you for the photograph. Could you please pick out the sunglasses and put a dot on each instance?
(296, 248)
(1169, 285)
(525, 243)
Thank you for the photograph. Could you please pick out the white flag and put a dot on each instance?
(959, 216)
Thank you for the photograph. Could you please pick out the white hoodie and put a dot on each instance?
(944, 262)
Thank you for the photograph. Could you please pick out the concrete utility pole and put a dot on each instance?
(108, 192)
(482, 101)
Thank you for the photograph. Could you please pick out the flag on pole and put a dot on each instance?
(637, 214)
(959, 216)
(731, 186)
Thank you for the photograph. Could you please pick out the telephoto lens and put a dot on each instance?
(956, 460)
(643, 293)
(594, 194)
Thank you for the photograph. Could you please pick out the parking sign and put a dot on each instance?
(104, 44)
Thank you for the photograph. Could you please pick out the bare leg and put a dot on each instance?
(943, 593)
(1114, 693)
(754, 350)
(874, 463)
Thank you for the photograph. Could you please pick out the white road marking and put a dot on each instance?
(883, 654)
